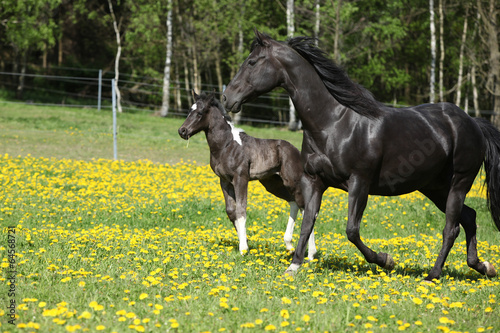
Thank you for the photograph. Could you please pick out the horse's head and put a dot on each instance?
(261, 72)
(197, 119)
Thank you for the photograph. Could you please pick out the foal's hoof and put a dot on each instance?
(490, 270)
(389, 263)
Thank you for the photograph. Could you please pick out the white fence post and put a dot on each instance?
(99, 91)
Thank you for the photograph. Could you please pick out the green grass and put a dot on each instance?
(86, 134)
(134, 245)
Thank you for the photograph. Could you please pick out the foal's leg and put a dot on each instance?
(311, 249)
(313, 189)
(241, 191)
(234, 213)
(358, 197)
(294, 209)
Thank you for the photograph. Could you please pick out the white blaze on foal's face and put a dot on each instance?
(193, 107)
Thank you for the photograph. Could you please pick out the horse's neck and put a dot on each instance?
(315, 105)
(218, 134)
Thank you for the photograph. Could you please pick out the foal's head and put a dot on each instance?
(201, 115)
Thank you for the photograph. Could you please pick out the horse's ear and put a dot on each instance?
(195, 96)
(261, 38)
(211, 97)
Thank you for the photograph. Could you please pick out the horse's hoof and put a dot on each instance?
(389, 263)
(490, 270)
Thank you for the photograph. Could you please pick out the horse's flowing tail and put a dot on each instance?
(492, 167)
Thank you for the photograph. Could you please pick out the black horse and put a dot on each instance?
(238, 158)
(357, 144)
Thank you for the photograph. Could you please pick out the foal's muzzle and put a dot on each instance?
(183, 133)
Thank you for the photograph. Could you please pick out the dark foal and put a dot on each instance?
(238, 158)
(353, 142)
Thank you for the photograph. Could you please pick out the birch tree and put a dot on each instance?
(441, 49)
(117, 57)
(168, 61)
(461, 59)
(491, 29)
(433, 52)
(292, 123)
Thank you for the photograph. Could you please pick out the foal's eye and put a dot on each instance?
(252, 62)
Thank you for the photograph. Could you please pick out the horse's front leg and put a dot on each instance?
(358, 197)
(312, 189)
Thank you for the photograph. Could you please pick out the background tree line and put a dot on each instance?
(405, 51)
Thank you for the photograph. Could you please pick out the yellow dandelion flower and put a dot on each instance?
(306, 318)
(143, 296)
(417, 301)
(100, 328)
(42, 304)
(270, 328)
(285, 314)
(85, 315)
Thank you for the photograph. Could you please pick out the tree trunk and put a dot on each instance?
(237, 116)
(117, 59)
(20, 86)
(186, 83)
(433, 53)
(492, 30)
(317, 22)
(441, 48)
(475, 94)
(292, 121)
(461, 60)
(168, 62)
(336, 47)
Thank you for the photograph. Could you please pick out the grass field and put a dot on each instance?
(143, 244)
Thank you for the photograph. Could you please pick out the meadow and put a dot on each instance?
(144, 245)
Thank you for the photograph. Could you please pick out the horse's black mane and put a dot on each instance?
(336, 80)
(215, 102)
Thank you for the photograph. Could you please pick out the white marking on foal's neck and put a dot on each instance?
(236, 133)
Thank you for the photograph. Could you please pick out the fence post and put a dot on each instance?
(113, 94)
(99, 91)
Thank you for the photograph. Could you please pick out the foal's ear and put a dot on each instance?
(262, 39)
(195, 96)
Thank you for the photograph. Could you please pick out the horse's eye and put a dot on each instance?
(252, 62)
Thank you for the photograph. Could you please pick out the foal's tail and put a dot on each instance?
(492, 167)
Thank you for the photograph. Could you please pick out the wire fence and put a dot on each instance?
(89, 88)
(138, 94)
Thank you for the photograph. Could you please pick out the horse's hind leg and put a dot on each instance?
(468, 222)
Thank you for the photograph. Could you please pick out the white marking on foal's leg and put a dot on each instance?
(292, 270)
(311, 247)
(242, 233)
(294, 209)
